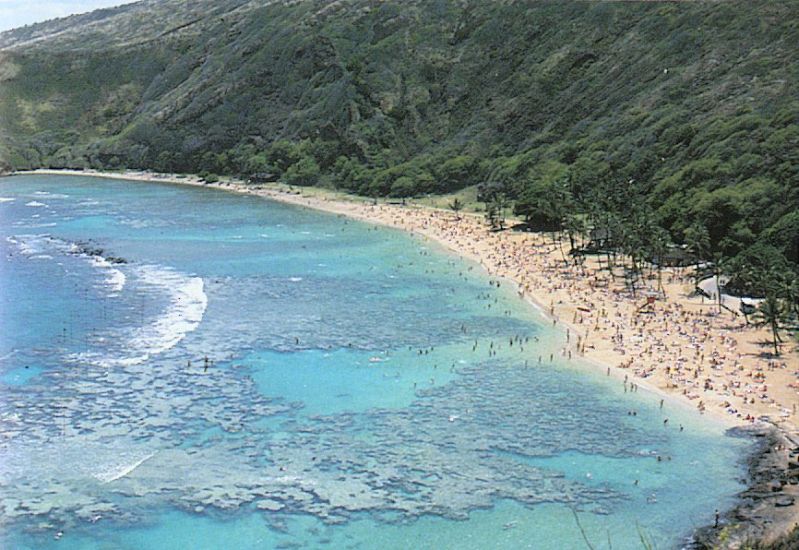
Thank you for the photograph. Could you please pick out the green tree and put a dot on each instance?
(457, 172)
(456, 206)
(790, 293)
(658, 247)
(542, 203)
(747, 269)
(501, 203)
(784, 235)
(575, 226)
(697, 239)
(720, 267)
(304, 172)
(495, 211)
(403, 186)
(771, 313)
(282, 154)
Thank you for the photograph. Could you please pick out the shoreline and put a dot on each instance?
(621, 339)
(338, 206)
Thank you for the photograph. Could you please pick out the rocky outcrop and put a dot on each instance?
(768, 507)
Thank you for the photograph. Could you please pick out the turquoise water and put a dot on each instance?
(188, 368)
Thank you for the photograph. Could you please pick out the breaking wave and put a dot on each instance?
(183, 313)
(115, 278)
(185, 302)
(43, 247)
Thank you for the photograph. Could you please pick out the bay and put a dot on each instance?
(185, 367)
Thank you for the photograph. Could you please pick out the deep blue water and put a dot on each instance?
(188, 368)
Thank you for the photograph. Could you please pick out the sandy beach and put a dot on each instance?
(680, 347)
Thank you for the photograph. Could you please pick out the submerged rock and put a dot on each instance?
(270, 505)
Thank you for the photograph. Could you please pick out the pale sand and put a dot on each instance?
(682, 349)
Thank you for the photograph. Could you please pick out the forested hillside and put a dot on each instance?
(681, 119)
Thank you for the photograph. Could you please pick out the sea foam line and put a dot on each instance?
(113, 475)
(188, 303)
(38, 247)
(182, 314)
(114, 277)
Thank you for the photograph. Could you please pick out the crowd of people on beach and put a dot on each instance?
(676, 341)
(663, 333)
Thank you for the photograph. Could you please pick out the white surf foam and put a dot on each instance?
(116, 471)
(51, 195)
(36, 204)
(31, 245)
(184, 313)
(31, 461)
(6, 199)
(184, 310)
(42, 247)
(181, 315)
(115, 278)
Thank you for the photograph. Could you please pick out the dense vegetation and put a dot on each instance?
(656, 123)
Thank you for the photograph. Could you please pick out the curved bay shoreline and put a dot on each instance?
(606, 327)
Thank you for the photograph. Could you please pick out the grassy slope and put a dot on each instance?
(698, 100)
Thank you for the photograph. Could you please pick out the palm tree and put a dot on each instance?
(574, 224)
(790, 293)
(632, 247)
(491, 215)
(495, 215)
(698, 240)
(719, 268)
(659, 244)
(771, 313)
(497, 207)
(456, 206)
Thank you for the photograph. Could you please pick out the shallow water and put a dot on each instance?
(184, 367)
